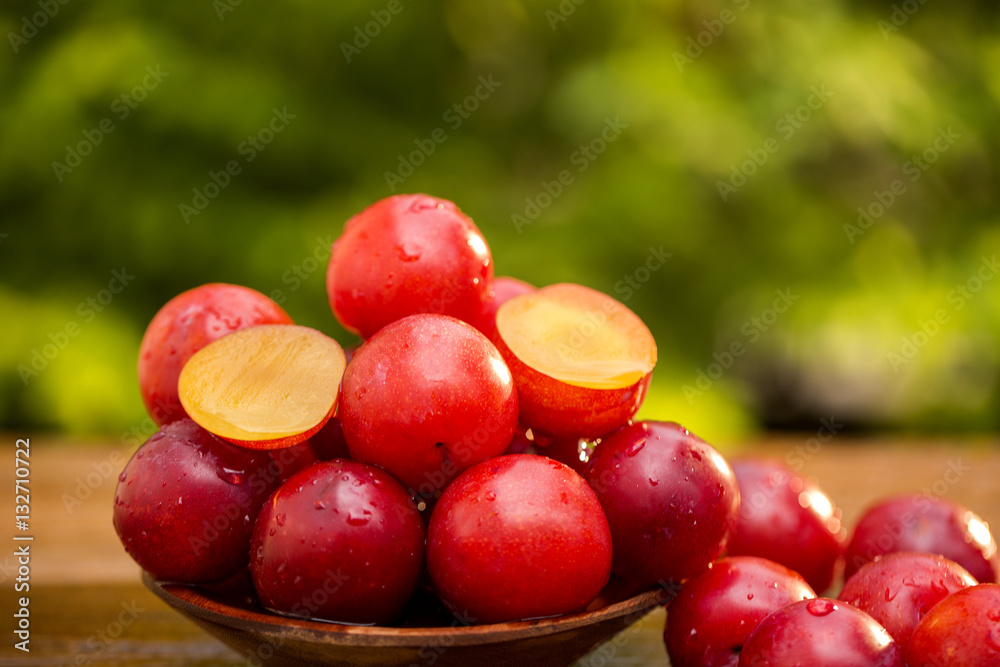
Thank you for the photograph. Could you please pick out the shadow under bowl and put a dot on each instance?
(275, 640)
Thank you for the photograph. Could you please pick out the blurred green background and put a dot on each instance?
(741, 137)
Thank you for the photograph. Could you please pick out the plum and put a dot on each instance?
(328, 443)
(963, 629)
(518, 537)
(504, 289)
(787, 519)
(581, 360)
(325, 445)
(898, 589)
(186, 502)
(339, 541)
(715, 611)
(820, 632)
(574, 452)
(670, 498)
(425, 398)
(184, 325)
(408, 254)
(921, 522)
(265, 387)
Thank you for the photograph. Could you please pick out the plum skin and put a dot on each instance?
(555, 408)
(820, 632)
(715, 611)
(504, 289)
(186, 502)
(963, 629)
(557, 400)
(425, 398)
(898, 589)
(919, 522)
(670, 498)
(325, 445)
(184, 325)
(774, 524)
(339, 541)
(408, 254)
(518, 537)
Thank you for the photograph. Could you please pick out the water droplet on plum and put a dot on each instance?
(356, 520)
(635, 447)
(821, 607)
(408, 252)
(234, 477)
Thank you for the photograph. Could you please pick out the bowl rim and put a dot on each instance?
(188, 600)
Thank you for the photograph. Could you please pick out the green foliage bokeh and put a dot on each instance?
(807, 111)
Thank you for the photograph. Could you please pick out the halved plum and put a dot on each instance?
(184, 325)
(581, 360)
(265, 387)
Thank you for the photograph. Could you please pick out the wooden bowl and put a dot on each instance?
(231, 614)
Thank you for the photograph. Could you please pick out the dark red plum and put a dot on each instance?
(339, 541)
(521, 444)
(788, 519)
(921, 522)
(820, 632)
(186, 504)
(898, 589)
(670, 498)
(518, 537)
(574, 452)
(715, 611)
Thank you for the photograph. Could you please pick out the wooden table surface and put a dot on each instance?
(88, 606)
